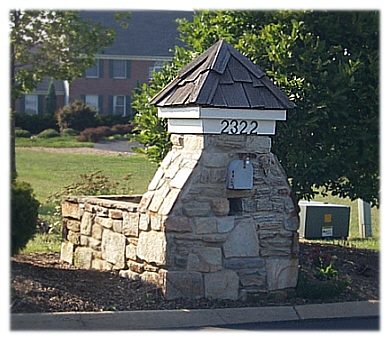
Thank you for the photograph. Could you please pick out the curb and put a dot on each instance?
(174, 319)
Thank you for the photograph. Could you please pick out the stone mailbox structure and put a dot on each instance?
(218, 219)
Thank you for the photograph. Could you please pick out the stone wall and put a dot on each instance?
(189, 234)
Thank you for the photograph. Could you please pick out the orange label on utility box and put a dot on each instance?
(327, 218)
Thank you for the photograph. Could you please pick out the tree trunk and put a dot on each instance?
(13, 103)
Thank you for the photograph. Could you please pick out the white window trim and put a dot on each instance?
(36, 104)
(114, 105)
(119, 77)
(97, 70)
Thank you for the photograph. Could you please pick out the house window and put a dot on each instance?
(92, 101)
(119, 103)
(31, 104)
(93, 71)
(119, 69)
(156, 67)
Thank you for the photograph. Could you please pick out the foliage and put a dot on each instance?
(48, 133)
(98, 133)
(24, 214)
(110, 120)
(94, 134)
(153, 130)
(51, 100)
(95, 183)
(323, 263)
(22, 133)
(69, 132)
(52, 43)
(327, 63)
(76, 115)
(54, 142)
(35, 123)
(313, 289)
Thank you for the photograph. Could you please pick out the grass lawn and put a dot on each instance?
(54, 142)
(48, 172)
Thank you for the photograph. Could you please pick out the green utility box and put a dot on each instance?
(323, 220)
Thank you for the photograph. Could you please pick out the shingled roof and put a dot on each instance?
(222, 77)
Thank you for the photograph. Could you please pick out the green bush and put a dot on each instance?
(48, 133)
(22, 133)
(24, 215)
(69, 132)
(77, 115)
(320, 289)
(35, 123)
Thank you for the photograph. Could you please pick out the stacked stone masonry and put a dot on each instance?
(189, 234)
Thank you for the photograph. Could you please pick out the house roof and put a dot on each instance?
(149, 33)
(222, 77)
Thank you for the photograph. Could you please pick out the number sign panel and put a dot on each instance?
(221, 126)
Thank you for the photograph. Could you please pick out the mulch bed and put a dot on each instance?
(40, 282)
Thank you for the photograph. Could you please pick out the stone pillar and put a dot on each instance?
(212, 242)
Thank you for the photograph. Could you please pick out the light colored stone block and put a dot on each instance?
(221, 285)
(144, 222)
(242, 240)
(117, 226)
(131, 251)
(97, 231)
(282, 273)
(225, 224)
(130, 224)
(176, 224)
(105, 222)
(86, 224)
(73, 225)
(73, 237)
(169, 201)
(156, 179)
(83, 258)
(182, 284)
(113, 248)
(220, 206)
(197, 209)
(205, 225)
(71, 210)
(181, 178)
(155, 222)
(115, 214)
(67, 252)
(150, 277)
(205, 259)
(152, 247)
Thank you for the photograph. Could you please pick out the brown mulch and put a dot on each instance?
(40, 282)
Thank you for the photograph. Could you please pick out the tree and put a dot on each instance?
(51, 100)
(327, 62)
(49, 43)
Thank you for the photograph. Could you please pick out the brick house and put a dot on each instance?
(138, 49)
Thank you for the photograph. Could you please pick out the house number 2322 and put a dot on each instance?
(239, 127)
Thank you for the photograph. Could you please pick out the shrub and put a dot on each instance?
(76, 115)
(69, 132)
(48, 133)
(94, 134)
(22, 133)
(121, 129)
(111, 120)
(24, 215)
(35, 123)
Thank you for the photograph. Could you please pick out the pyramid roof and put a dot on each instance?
(222, 77)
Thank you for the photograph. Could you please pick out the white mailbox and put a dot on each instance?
(240, 174)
